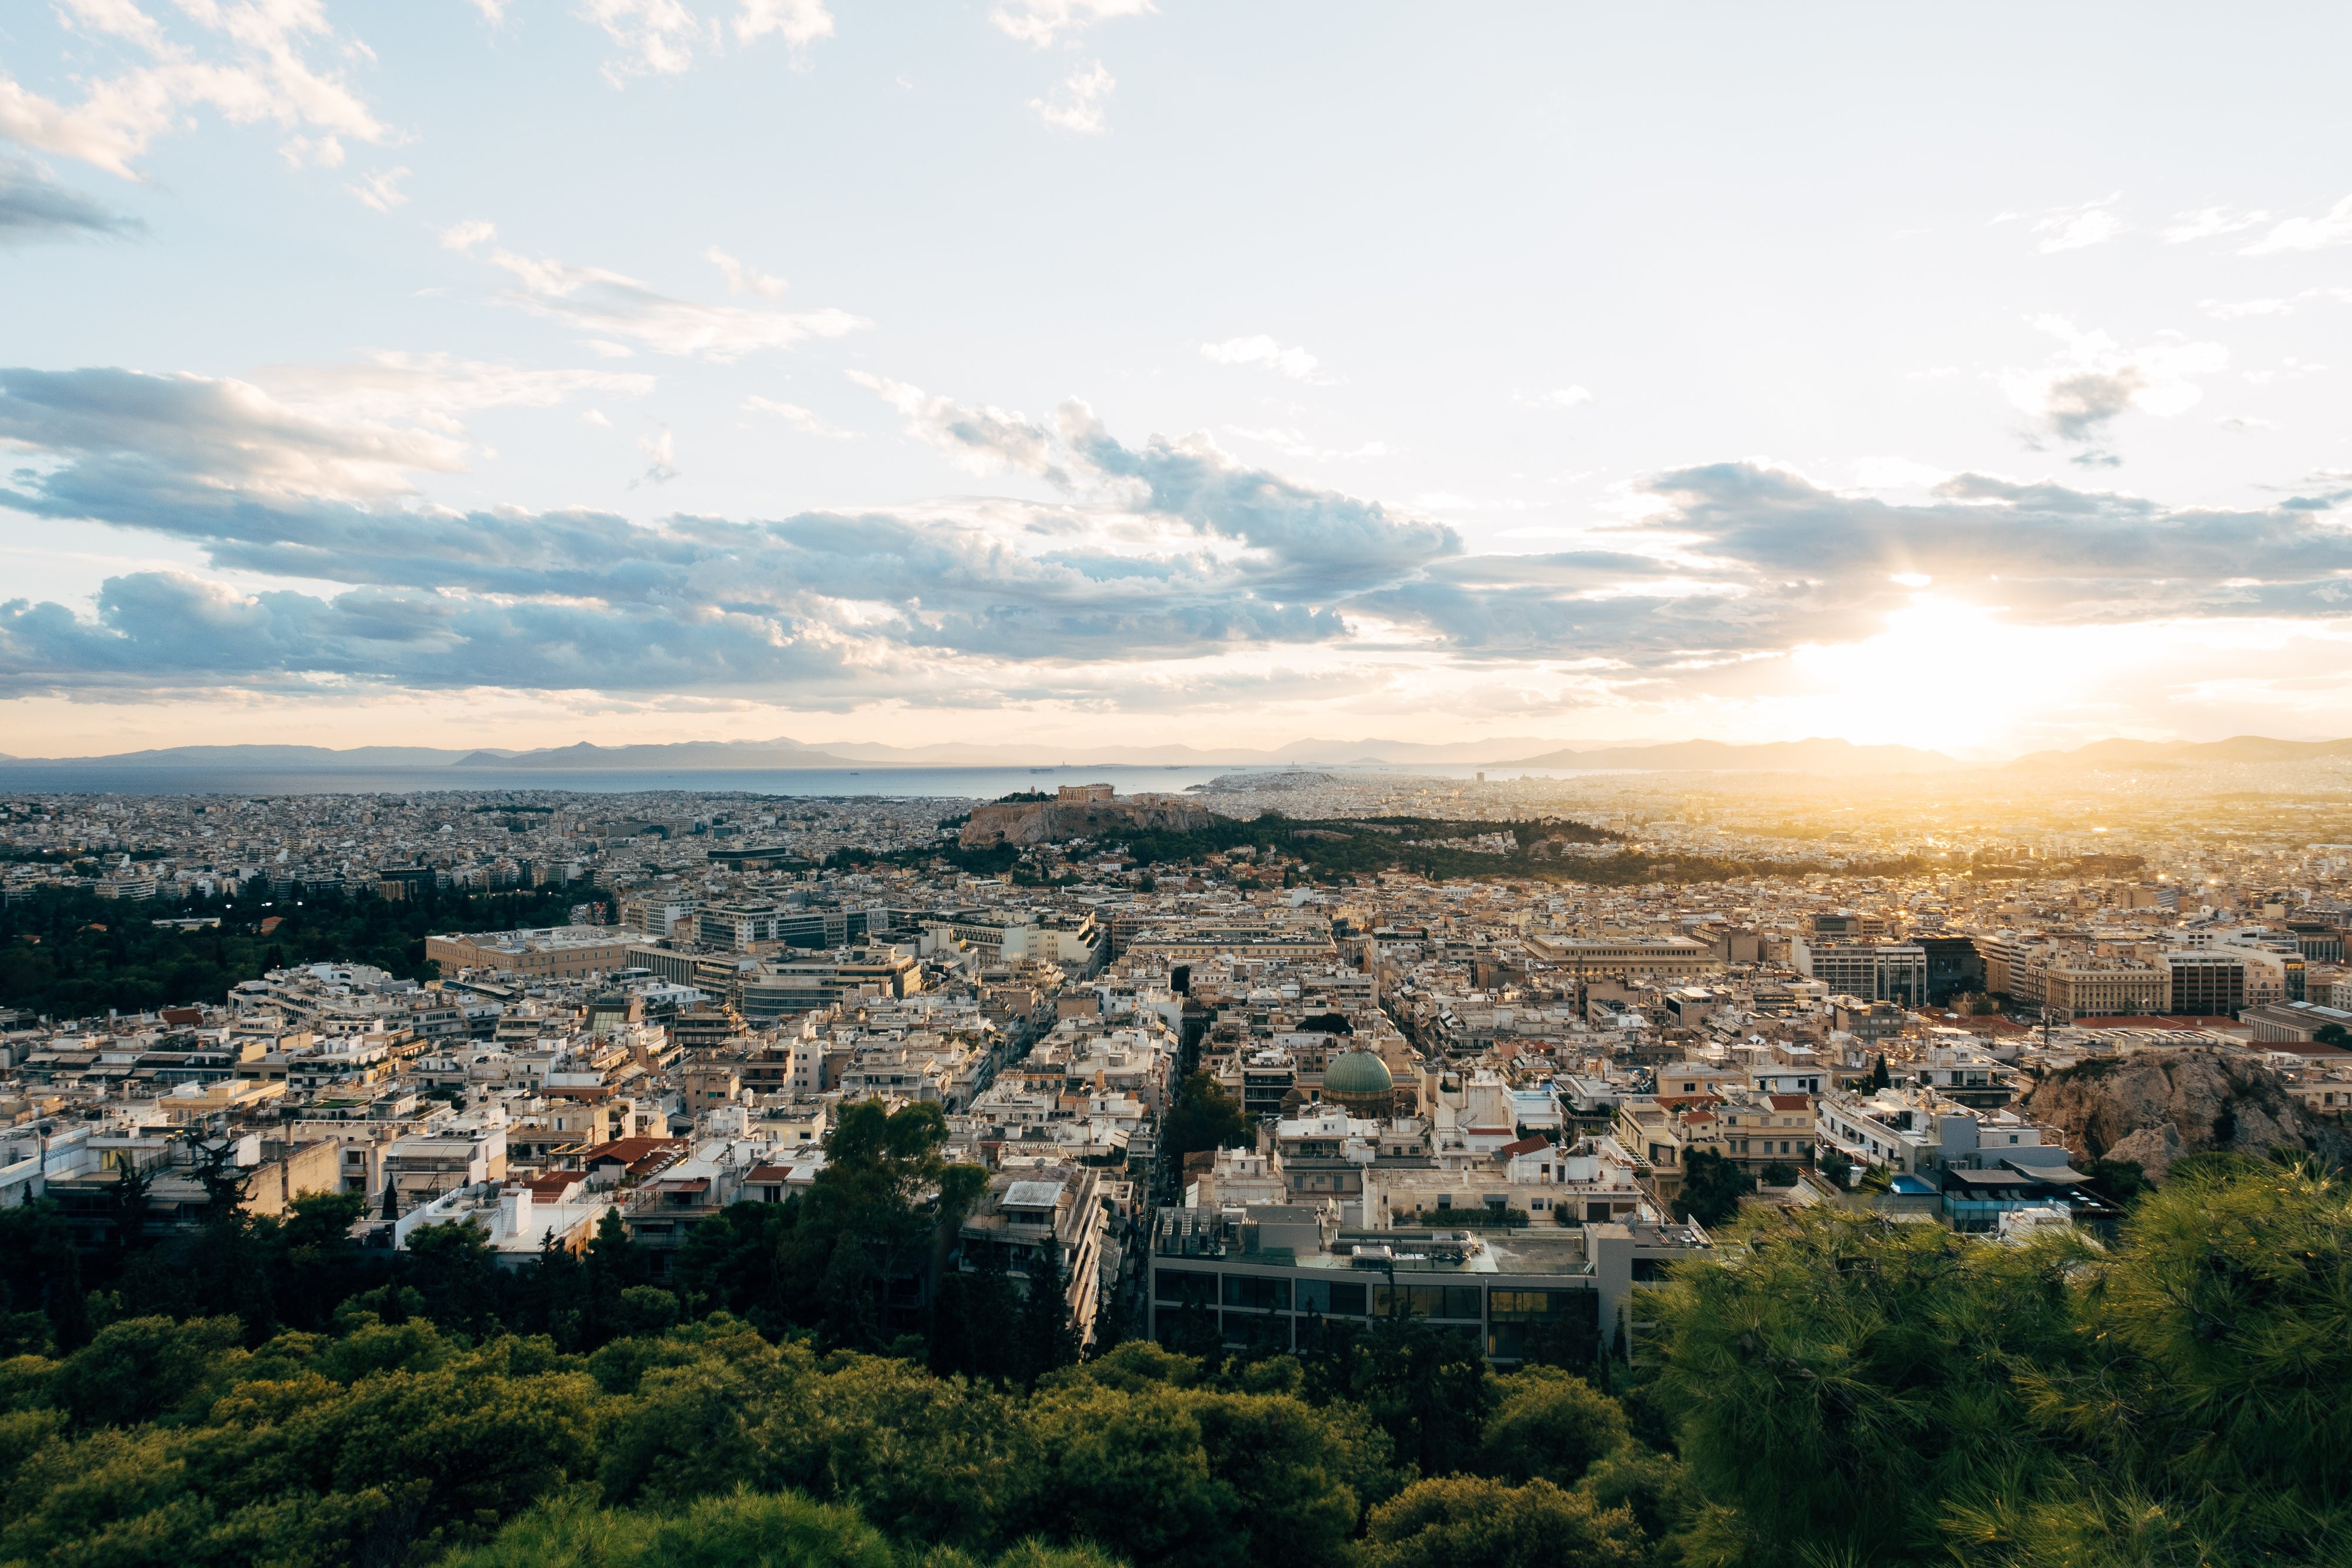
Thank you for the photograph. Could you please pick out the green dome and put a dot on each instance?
(1357, 1072)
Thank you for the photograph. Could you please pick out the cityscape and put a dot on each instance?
(1100, 784)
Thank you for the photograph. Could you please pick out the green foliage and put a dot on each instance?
(1552, 1426)
(1856, 1389)
(1829, 1388)
(1712, 1188)
(68, 953)
(1778, 1174)
(1466, 1522)
(1203, 1117)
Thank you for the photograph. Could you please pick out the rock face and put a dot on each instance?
(2158, 1105)
(1051, 821)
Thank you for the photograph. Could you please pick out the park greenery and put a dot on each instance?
(1826, 1388)
(1332, 850)
(65, 952)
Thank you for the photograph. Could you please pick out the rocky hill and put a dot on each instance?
(1051, 821)
(2156, 1106)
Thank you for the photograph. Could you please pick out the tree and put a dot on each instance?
(2333, 1035)
(1878, 1074)
(1203, 1117)
(1778, 1174)
(1552, 1424)
(871, 1217)
(1465, 1521)
(1046, 1337)
(1712, 1188)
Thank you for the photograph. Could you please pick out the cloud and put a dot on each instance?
(1080, 105)
(2080, 390)
(799, 418)
(468, 235)
(979, 440)
(248, 65)
(1154, 556)
(381, 190)
(662, 451)
(2073, 228)
(660, 38)
(1042, 22)
(1177, 552)
(741, 279)
(2207, 222)
(34, 207)
(1559, 397)
(656, 37)
(1264, 351)
(610, 306)
(799, 22)
(2331, 227)
(432, 390)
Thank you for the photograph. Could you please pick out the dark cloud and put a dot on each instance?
(1170, 550)
(34, 207)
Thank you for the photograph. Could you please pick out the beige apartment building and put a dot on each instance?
(558, 952)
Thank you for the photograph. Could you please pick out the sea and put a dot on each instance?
(101, 776)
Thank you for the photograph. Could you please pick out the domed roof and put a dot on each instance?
(1357, 1072)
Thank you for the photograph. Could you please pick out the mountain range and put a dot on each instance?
(1815, 756)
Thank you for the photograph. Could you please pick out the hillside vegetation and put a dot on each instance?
(1827, 1390)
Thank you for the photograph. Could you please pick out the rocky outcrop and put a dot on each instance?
(1052, 821)
(2156, 1106)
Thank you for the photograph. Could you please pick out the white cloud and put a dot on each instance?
(799, 418)
(1042, 22)
(660, 38)
(616, 310)
(800, 22)
(979, 440)
(2331, 227)
(1264, 352)
(431, 390)
(2244, 422)
(382, 189)
(2207, 222)
(464, 236)
(594, 416)
(2080, 390)
(1080, 103)
(662, 451)
(743, 279)
(656, 37)
(2073, 229)
(1559, 397)
(253, 70)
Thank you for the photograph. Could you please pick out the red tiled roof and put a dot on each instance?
(1788, 1101)
(1524, 1146)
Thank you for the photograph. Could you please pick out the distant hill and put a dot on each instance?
(266, 756)
(686, 755)
(1809, 756)
(2175, 753)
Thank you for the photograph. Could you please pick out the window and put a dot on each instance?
(1253, 1290)
(1329, 1296)
(1185, 1286)
(1425, 1300)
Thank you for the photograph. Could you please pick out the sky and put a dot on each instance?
(523, 372)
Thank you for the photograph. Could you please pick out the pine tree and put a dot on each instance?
(1045, 1336)
(391, 1200)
